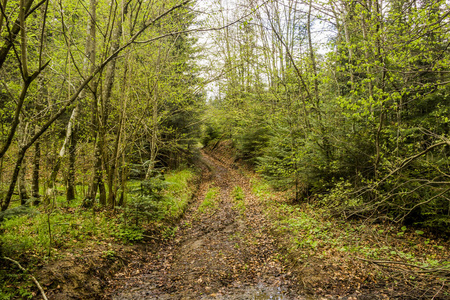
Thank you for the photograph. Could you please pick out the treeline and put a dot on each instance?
(344, 103)
(91, 93)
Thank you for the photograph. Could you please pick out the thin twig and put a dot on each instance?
(424, 269)
(443, 284)
(32, 277)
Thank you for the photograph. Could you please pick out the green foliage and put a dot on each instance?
(158, 198)
(209, 134)
(31, 233)
(75, 227)
(251, 142)
(109, 254)
(20, 234)
(210, 202)
(238, 193)
(355, 128)
(14, 285)
(239, 199)
(22, 210)
(142, 208)
(179, 190)
(129, 234)
(169, 232)
(308, 231)
(340, 196)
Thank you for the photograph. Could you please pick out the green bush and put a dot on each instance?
(153, 186)
(142, 208)
(210, 134)
(129, 234)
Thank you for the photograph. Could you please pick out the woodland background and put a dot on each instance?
(342, 104)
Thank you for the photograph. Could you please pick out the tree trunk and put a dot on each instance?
(106, 96)
(6, 201)
(35, 178)
(71, 191)
(57, 166)
(153, 148)
(23, 194)
(21, 186)
(97, 180)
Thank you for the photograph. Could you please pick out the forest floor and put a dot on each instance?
(222, 249)
(239, 239)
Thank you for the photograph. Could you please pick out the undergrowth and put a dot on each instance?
(210, 203)
(356, 251)
(239, 200)
(35, 238)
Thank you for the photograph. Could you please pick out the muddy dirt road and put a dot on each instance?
(221, 250)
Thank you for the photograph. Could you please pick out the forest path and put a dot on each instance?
(221, 250)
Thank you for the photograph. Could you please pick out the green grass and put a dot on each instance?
(309, 232)
(179, 191)
(239, 200)
(62, 228)
(71, 225)
(210, 202)
(53, 232)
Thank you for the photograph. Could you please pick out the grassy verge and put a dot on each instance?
(209, 204)
(179, 192)
(239, 200)
(50, 234)
(337, 256)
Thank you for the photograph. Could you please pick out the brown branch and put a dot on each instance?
(197, 29)
(5, 202)
(385, 263)
(31, 276)
(9, 42)
(408, 160)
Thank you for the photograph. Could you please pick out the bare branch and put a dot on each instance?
(31, 276)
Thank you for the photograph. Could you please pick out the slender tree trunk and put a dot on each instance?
(312, 55)
(51, 182)
(97, 180)
(21, 184)
(8, 196)
(348, 44)
(153, 148)
(36, 169)
(71, 191)
(23, 194)
(106, 96)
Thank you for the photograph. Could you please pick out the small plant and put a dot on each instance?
(8, 286)
(238, 197)
(109, 254)
(142, 208)
(153, 186)
(169, 232)
(210, 200)
(238, 193)
(129, 234)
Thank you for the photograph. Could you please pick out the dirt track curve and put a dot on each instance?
(223, 252)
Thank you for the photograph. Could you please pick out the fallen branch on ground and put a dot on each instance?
(32, 277)
(443, 270)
